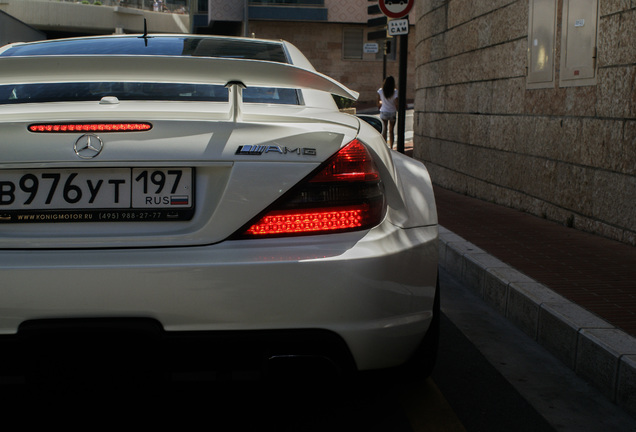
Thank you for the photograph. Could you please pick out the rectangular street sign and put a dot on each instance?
(398, 27)
(374, 10)
(375, 35)
(377, 22)
(371, 48)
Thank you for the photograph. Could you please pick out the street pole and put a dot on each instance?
(384, 61)
(401, 120)
(246, 17)
(191, 12)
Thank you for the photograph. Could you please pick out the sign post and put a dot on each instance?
(379, 31)
(397, 10)
(401, 120)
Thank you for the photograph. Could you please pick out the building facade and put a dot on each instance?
(532, 104)
(331, 33)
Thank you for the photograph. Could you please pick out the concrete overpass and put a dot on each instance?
(14, 30)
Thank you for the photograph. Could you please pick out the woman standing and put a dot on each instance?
(387, 101)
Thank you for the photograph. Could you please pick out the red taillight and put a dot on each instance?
(309, 221)
(345, 194)
(89, 127)
(353, 163)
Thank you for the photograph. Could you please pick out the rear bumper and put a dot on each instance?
(374, 291)
(112, 350)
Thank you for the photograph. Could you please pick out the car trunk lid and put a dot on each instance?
(237, 170)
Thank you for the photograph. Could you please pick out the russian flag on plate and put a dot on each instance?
(179, 200)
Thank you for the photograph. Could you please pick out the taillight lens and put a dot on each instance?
(344, 194)
(311, 221)
(351, 164)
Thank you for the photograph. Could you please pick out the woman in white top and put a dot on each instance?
(388, 101)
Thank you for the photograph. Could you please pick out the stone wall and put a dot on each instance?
(564, 153)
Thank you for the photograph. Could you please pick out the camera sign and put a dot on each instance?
(398, 27)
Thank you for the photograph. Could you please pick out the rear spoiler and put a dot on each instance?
(235, 74)
(166, 69)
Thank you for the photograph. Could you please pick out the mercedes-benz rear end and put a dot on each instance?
(190, 222)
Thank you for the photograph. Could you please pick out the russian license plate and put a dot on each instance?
(96, 195)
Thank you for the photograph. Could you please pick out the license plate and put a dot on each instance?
(96, 195)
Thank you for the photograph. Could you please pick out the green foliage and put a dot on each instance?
(343, 102)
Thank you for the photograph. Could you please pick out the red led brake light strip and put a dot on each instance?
(89, 127)
(310, 221)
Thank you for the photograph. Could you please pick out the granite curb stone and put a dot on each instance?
(597, 351)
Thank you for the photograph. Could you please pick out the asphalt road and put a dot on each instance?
(489, 377)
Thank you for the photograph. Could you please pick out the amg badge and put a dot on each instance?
(257, 150)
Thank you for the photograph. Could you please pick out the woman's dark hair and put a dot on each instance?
(388, 88)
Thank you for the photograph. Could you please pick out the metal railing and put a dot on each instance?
(170, 6)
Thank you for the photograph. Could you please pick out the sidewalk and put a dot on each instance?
(573, 292)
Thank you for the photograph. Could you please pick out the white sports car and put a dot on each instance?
(198, 204)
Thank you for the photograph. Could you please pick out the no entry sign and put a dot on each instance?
(396, 8)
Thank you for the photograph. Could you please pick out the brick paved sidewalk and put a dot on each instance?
(594, 272)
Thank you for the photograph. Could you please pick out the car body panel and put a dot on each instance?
(344, 286)
(210, 150)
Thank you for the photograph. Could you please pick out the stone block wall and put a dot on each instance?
(564, 153)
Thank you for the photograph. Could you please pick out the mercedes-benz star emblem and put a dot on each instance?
(88, 146)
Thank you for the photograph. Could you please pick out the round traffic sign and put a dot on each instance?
(396, 8)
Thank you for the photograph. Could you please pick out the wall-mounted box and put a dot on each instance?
(541, 43)
(578, 43)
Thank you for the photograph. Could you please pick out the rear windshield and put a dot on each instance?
(156, 45)
(95, 91)
(190, 46)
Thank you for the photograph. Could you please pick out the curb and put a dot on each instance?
(597, 351)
